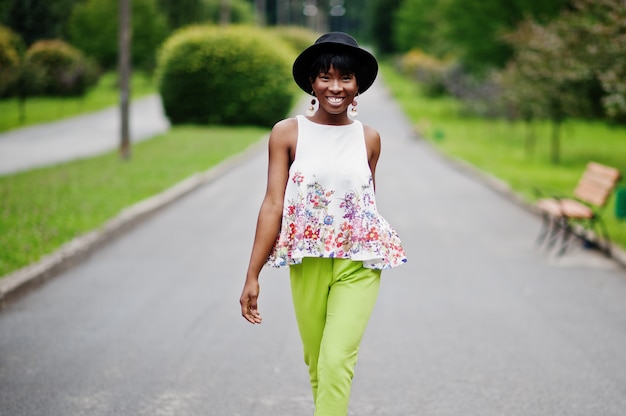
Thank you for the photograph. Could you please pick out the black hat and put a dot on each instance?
(335, 42)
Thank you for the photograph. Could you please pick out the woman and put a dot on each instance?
(319, 217)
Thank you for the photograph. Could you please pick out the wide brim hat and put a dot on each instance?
(336, 43)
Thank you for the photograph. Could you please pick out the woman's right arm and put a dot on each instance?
(281, 151)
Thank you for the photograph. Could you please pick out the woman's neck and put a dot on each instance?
(340, 119)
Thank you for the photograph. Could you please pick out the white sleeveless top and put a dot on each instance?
(329, 207)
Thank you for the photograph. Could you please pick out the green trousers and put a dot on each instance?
(333, 300)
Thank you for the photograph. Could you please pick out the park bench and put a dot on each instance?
(579, 216)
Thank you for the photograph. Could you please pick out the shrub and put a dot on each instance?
(425, 69)
(65, 69)
(11, 50)
(93, 28)
(225, 75)
(297, 37)
(482, 96)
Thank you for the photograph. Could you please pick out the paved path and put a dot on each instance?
(78, 137)
(478, 323)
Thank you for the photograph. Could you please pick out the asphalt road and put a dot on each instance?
(478, 323)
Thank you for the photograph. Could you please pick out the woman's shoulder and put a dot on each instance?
(370, 133)
(286, 125)
(285, 131)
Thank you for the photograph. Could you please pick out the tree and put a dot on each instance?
(31, 19)
(573, 66)
(417, 25)
(37, 19)
(93, 28)
(602, 26)
(475, 27)
(380, 16)
(583, 51)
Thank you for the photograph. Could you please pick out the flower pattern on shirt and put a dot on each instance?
(314, 225)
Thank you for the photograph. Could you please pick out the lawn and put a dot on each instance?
(45, 208)
(499, 147)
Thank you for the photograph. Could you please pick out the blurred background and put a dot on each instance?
(528, 91)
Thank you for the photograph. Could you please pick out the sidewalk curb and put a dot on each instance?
(617, 253)
(76, 250)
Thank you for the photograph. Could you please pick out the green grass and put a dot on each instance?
(44, 208)
(45, 109)
(499, 147)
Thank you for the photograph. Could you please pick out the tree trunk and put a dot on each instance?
(224, 12)
(555, 145)
(260, 12)
(125, 36)
(530, 139)
(21, 105)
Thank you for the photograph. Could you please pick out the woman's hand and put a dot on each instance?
(248, 301)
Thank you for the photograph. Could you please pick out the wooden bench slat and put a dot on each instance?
(574, 209)
(604, 170)
(601, 181)
(592, 194)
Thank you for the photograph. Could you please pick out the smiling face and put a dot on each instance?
(335, 85)
(334, 91)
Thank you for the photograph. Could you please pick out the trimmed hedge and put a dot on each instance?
(225, 75)
(65, 70)
(11, 50)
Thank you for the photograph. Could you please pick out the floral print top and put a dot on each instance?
(330, 207)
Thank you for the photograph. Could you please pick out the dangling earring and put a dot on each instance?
(353, 111)
(311, 110)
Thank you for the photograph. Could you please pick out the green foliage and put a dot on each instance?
(429, 71)
(181, 13)
(381, 13)
(571, 66)
(418, 25)
(225, 75)
(297, 37)
(32, 19)
(596, 35)
(11, 49)
(4, 9)
(45, 208)
(240, 11)
(64, 68)
(150, 29)
(36, 19)
(93, 28)
(468, 29)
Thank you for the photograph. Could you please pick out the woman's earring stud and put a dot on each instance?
(311, 110)
(353, 111)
